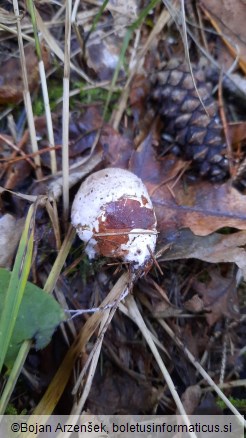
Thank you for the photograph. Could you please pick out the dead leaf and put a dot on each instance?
(203, 207)
(191, 398)
(216, 248)
(11, 88)
(219, 295)
(83, 129)
(16, 174)
(10, 232)
(102, 54)
(154, 172)
(117, 149)
(140, 88)
(228, 18)
(237, 132)
(195, 304)
(124, 13)
(117, 393)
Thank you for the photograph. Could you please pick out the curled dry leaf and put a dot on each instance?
(11, 84)
(219, 296)
(229, 17)
(116, 392)
(124, 12)
(16, 174)
(117, 149)
(10, 232)
(195, 304)
(154, 172)
(216, 248)
(203, 207)
(191, 398)
(113, 215)
(103, 54)
(82, 134)
(104, 44)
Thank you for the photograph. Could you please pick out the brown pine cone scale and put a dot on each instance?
(194, 134)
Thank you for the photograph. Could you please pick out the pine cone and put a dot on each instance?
(195, 136)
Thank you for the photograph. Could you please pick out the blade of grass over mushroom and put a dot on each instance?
(65, 111)
(26, 93)
(97, 18)
(125, 45)
(44, 87)
(17, 284)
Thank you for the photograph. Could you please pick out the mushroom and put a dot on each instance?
(113, 214)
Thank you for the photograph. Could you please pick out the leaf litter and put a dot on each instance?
(197, 219)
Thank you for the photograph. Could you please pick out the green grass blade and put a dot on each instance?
(13, 376)
(97, 18)
(31, 10)
(17, 284)
(25, 347)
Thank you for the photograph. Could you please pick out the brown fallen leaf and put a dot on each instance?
(215, 248)
(203, 207)
(139, 91)
(228, 17)
(11, 84)
(237, 132)
(154, 171)
(82, 134)
(195, 304)
(117, 149)
(16, 174)
(10, 232)
(118, 393)
(83, 130)
(219, 295)
(191, 398)
(102, 54)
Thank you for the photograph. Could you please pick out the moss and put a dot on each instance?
(55, 91)
(237, 403)
(95, 95)
(11, 410)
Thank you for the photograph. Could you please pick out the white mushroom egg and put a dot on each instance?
(113, 214)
